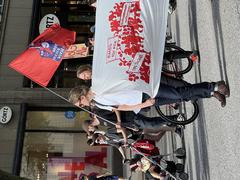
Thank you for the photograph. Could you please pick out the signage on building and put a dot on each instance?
(70, 114)
(5, 114)
(76, 51)
(47, 21)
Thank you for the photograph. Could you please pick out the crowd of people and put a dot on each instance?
(125, 110)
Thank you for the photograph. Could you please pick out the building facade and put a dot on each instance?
(43, 138)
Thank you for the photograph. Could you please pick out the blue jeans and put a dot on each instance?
(169, 94)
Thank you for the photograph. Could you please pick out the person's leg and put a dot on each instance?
(147, 122)
(168, 94)
(155, 137)
(159, 129)
(174, 82)
(122, 152)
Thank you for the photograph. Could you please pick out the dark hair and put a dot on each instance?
(94, 137)
(87, 42)
(90, 142)
(77, 92)
(82, 68)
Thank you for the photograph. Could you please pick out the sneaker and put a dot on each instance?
(220, 97)
(222, 88)
(179, 168)
(183, 176)
(194, 56)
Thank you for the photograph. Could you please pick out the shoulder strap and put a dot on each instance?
(94, 101)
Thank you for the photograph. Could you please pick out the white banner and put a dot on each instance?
(129, 45)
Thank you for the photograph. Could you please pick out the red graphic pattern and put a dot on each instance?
(130, 39)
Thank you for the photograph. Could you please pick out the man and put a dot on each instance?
(85, 72)
(133, 100)
(130, 121)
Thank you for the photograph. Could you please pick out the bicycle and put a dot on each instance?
(176, 60)
(184, 112)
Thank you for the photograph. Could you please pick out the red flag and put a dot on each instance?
(43, 56)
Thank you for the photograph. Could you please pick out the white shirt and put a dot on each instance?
(131, 97)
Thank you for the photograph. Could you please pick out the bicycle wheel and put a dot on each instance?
(183, 112)
(178, 66)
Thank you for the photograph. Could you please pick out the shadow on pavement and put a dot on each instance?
(219, 40)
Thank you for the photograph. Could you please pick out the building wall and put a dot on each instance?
(12, 93)
(18, 19)
(15, 40)
(8, 134)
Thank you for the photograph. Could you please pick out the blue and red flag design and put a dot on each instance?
(43, 56)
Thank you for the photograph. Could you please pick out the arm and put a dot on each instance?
(118, 115)
(124, 133)
(119, 128)
(145, 104)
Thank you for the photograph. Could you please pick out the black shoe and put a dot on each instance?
(180, 153)
(222, 88)
(179, 131)
(179, 168)
(183, 176)
(220, 97)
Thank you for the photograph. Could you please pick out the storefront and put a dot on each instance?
(44, 139)
(52, 145)
(74, 15)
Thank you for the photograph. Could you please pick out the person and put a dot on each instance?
(89, 42)
(133, 100)
(205, 90)
(131, 121)
(141, 163)
(170, 55)
(154, 131)
(102, 138)
(84, 72)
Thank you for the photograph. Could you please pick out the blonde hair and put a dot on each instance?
(86, 124)
(77, 92)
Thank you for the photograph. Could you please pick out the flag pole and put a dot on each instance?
(63, 98)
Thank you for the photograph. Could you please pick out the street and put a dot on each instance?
(212, 141)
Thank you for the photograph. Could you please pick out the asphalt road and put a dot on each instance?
(213, 140)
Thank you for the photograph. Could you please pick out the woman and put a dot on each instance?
(140, 163)
(102, 138)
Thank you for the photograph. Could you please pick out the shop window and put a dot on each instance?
(57, 156)
(55, 147)
(76, 15)
(55, 120)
